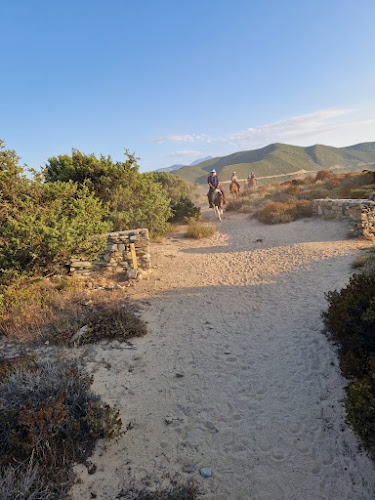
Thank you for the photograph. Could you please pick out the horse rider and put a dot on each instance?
(214, 183)
(250, 178)
(234, 179)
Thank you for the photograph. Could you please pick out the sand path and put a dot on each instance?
(235, 374)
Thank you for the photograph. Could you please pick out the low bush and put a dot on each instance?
(234, 205)
(173, 187)
(199, 230)
(304, 208)
(360, 407)
(184, 210)
(119, 322)
(277, 212)
(359, 192)
(350, 323)
(49, 418)
(293, 189)
(350, 317)
(28, 305)
(322, 175)
(282, 197)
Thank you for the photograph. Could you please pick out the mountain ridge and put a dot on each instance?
(281, 159)
(177, 166)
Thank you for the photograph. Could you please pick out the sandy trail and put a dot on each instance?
(235, 374)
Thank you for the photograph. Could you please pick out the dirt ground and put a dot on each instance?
(235, 373)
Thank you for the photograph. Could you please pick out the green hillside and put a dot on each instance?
(279, 159)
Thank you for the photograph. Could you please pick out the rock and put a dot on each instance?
(81, 264)
(205, 472)
(131, 273)
(179, 375)
(79, 334)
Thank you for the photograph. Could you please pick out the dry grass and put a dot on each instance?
(290, 200)
(199, 230)
(55, 308)
(49, 418)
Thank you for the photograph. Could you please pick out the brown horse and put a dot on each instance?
(218, 201)
(234, 189)
(252, 183)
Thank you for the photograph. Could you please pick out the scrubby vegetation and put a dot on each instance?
(276, 212)
(48, 418)
(350, 323)
(199, 230)
(61, 213)
(291, 200)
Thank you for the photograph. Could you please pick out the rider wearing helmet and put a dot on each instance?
(235, 179)
(214, 183)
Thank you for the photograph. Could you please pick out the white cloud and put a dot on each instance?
(290, 130)
(186, 152)
(182, 138)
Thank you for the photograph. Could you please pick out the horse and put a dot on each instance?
(234, 189)
(218, 201)
(252, 183)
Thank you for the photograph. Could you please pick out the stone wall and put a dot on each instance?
(360, 214)
(117, 256)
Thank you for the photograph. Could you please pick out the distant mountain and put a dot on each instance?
(201, 160)
(177, 166)
(282, 159)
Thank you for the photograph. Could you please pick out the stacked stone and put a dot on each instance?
(360, 213)
(117, 256)
(362, 219)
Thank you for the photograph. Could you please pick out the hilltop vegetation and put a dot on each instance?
(278, 159)
(291, 200)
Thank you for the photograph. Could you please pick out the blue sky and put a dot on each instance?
(174, 81)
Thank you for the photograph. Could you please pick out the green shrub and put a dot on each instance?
(200, 230)
(51, 224)
(184, 210)
(350, 318)
(360, 407)
(317, 192)
(360, 192)
(354, 364)
(134, 199)
(350, 322)
(173, 187)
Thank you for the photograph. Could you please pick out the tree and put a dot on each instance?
(134, 199)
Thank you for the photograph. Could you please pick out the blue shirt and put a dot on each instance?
(213, 179)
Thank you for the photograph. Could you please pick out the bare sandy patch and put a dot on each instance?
(235, 374)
